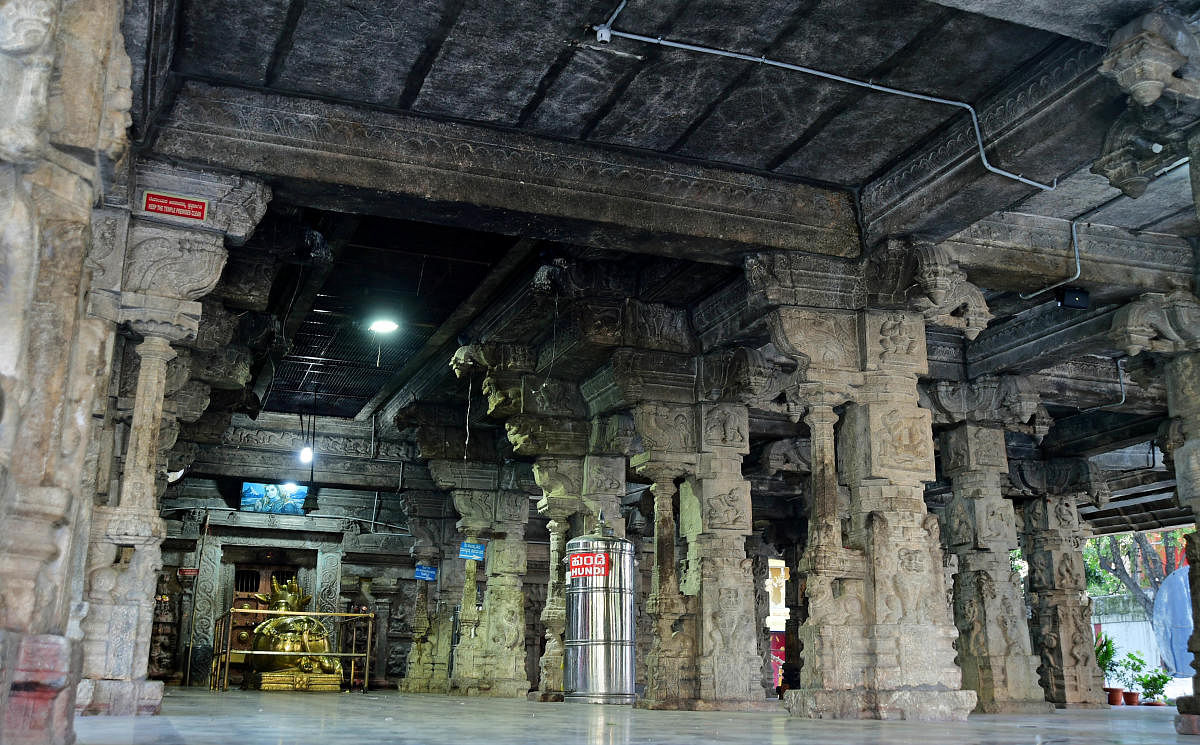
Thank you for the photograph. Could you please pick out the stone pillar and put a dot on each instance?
(715, 516)
(1061, 626)
(671, 676)
(878, 634)
(503, 623)
(419, 674)
(760, 569)
(475, 507)
(124, 560)
(64, 80)
(1170, 325)
(560, 480)
(978, 528)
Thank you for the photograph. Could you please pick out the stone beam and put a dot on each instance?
(1041, 338)
(1092, 381)
(1086, 20)
(1098, 432)
(609, 200)
(1021, 253)
(1047, 123)
(260, 465)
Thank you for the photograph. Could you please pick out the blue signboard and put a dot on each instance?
(426, 572)
(468, 550)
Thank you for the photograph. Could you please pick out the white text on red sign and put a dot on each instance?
(166, 204)
(588, 565)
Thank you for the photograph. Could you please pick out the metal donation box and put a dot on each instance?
(599, 639)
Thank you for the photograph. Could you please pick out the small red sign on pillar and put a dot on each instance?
(169, 204)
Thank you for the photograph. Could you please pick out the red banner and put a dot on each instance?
(166, 204)
(588, 565)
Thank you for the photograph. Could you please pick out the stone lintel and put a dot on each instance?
(609, 201)
(232, 204)
(1022, 253)
(1098, 432)
(223, 460)
(1040, 338)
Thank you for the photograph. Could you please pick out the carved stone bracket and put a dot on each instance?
(233, 204)
(1158, 322)
(1006, 401)
(1145, 54)
(1058, 476)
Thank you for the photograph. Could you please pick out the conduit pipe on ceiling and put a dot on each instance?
(605, 32)
(1075, 225)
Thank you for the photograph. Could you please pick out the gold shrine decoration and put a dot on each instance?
(349, 631)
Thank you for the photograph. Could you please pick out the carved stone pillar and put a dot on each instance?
(1169, 325)
(560, 479)
(671, 677)
(978, 527)
(1061, 627)
(475, 507)
(878, 634)
(419, 674)
(760, 568)
(503, 622)
(714, 507)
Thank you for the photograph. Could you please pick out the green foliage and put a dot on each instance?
(1128, 668)
(1153, 683)
(1100, 582)
(1106, 654)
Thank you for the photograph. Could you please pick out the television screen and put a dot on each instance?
(281, 499)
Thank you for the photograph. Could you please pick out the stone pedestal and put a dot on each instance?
(1061, 626)
(979, 528)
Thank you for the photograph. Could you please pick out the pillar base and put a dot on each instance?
(927, 706)
(1015, 707)
(546, 696)
(1082, 705)
(1187, 724)
(119, 697)
(38, 707)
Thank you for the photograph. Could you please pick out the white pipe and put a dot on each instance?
(1078, 268)
(1121, 379)
(605, 33)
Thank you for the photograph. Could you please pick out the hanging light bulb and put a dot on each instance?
(306, 454)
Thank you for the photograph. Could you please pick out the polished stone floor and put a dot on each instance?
(194, 717)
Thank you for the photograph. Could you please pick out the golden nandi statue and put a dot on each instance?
(308, 668)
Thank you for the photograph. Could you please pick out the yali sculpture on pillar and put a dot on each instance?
(310, 668)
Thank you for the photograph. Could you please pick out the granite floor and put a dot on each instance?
(195, 717)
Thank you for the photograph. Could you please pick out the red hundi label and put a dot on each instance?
(169, 204)
(588, 565)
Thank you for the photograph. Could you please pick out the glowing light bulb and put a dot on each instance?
(306, 454)
(383, 326)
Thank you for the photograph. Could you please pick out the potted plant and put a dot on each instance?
(1127, 671)
(1106, 657)
(1152, 684)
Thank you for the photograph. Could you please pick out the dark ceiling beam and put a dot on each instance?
(1098, 432)
(1041, 337)
(1048, 121)
(150, 31)
(563, 191)
(430, 367)
(451, 10)
(283, 44)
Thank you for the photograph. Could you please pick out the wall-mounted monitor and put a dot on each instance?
(280, 499)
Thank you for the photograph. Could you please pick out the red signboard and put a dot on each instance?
(168, 204)
(189, 572)
(588, 565)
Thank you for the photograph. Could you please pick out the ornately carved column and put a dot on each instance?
(1169, 325)
(715, 515)
(671, 679)
(560, 480)
(1061, 627)
(980, 529)
(475, 507)
(503, 624)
